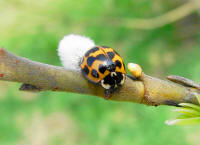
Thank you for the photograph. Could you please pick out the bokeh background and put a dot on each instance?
(32, 29)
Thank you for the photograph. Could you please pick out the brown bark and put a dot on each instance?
(146, 90)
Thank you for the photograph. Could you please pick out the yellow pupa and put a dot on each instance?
(135, 69)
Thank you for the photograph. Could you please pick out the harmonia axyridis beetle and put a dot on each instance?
(99, 64)
(102, 65)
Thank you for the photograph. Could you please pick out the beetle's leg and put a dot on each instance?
(29, 87)
(108, 93)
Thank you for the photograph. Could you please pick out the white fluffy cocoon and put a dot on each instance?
(71, 50)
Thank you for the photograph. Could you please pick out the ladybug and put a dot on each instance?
(102, 65)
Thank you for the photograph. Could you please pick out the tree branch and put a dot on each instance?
(146, 90)
(159, 21)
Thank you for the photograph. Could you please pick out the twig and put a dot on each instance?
(147, 90)
(159, 21)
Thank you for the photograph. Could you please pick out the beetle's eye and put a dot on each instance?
(102, 68)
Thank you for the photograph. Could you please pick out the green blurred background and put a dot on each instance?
(32, 29)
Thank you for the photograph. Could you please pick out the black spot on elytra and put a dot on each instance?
(101, 57)
(85, 70)
(111, 55)
(111, 67)
(95, 73)
(118, 63)
(102, 68)
(92, 50)
(90, 60)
